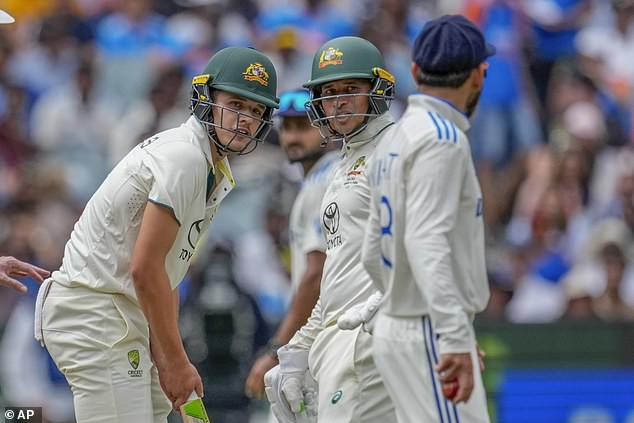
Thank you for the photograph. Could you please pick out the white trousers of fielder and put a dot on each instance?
(100, 342)
(406, 353)
(350, 387)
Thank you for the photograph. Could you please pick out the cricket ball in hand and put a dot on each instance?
(450, 389)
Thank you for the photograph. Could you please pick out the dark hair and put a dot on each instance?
(448, 80)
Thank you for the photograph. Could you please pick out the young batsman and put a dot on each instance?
(351, 93)
(108, 316)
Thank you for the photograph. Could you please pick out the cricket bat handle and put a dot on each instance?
(193, 411)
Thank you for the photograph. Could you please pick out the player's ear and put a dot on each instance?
(479, 74)
(415, 70)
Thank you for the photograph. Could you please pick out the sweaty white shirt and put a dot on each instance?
(171, 169)
(305, 218)
(344, 214)
(424, 244)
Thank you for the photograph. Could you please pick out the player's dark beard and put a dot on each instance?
(472, 103)
(309, 156)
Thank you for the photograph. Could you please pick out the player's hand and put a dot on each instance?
(361, 314)
(456, 367)
(179, 380)
(10, 266)
(254, 386)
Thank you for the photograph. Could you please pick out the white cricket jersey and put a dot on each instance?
(424, 245)
(305, 218)
(173, 169)
(344, 214)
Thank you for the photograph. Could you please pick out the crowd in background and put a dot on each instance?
(83, 81)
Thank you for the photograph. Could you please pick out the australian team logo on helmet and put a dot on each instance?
(256, 72)
(244, 72)
(348, 58)
(330, 56)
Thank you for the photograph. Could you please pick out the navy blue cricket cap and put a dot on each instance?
(450, 44)
(292, 103)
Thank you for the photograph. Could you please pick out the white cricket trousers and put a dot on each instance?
(100, 342)
(406, 353)
(350, 387)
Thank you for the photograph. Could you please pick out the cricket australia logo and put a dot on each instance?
(256, 72)
(357, 167)
(134, 358)
(331, 56)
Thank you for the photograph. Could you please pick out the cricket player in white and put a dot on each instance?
(302, 144)
(109, 315)
(424, 245)
(350, 96)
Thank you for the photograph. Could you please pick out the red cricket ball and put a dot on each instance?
(450, 389)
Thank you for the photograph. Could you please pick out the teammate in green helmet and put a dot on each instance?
(116, 292)
(349, 86)
(238, 85)
(350, 93)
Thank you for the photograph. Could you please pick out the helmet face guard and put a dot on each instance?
(379, 97)
(202, 106)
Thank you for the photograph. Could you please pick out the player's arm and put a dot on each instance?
(156, 237)
(433, 189)
(300, 310)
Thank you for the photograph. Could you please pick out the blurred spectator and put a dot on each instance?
(294, 64)
(607, 51)
(392, 26)
(320, 20)
(617, 185)
(538, 295)
(15, 148)
(610, 305)
(165, 108)
(48, 63)
(555, 24)
(505, 127)
(579, 298)
(132, 45)
(68, 125)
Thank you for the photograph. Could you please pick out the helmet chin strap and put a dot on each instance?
(215, 143)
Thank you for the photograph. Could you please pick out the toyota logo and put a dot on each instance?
(331, 218)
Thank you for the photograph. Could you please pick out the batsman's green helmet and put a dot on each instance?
(349, 58)
(244, 72)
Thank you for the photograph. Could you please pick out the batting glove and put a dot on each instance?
(290, 389)
(361, 314)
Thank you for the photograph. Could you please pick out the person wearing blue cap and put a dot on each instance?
(303, 145)
(424, 244)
